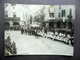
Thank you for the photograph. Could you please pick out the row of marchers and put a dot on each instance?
(58, 37)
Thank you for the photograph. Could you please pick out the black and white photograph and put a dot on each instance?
(33, 29)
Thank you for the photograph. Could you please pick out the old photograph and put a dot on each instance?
(33, 29)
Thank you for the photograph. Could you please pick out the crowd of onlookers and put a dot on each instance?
(62, 36)
(58, 35)
(10, 47)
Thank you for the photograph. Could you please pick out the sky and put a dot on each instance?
(35, 8)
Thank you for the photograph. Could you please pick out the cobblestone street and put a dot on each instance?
(31, 45)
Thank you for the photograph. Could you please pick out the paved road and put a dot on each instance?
(27, 44)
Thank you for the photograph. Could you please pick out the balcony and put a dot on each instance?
(51, 16)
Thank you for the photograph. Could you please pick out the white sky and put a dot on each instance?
(35, 8)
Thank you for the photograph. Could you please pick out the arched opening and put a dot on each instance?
(16, 25)
(51, 26)
(58, 24)
(70, 25)
(64, 24)
(7, 25)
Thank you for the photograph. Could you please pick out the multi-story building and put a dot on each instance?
(59, 17)
(16, 15)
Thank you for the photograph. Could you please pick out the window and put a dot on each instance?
(51, 12)
(6, 5)
(58, 24)
(51, 15)
(51, 24)
(15, 23)
(14, 14)
(59, 14)
(6, 13)
(70, 25)
(63, 13)
(13, 4)
(64, 24)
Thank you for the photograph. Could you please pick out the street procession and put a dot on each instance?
(53, 24)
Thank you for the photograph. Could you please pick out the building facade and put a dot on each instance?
(16, 15)
(59, 17)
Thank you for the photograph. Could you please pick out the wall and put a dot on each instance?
(56, 11)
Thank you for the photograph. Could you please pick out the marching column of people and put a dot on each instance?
(56, 35)
(61, 36)
(65, 37)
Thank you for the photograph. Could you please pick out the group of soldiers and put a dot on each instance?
(10, 47)
(32, 31)
(29, 31)
(60, 34)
